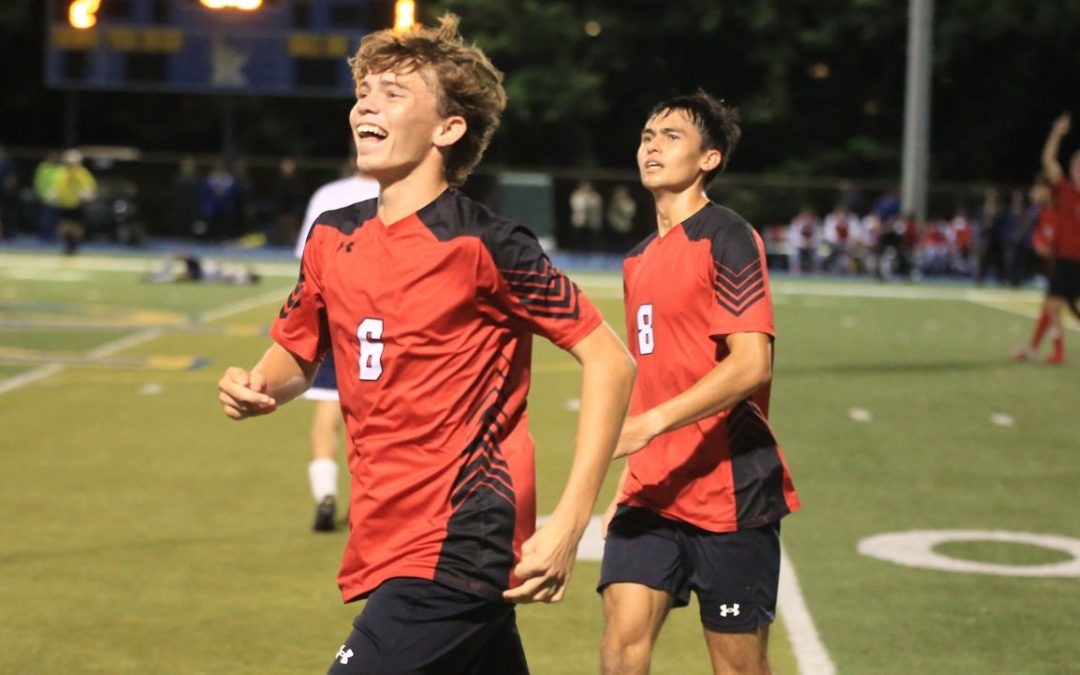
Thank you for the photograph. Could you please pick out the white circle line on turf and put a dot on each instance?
(915, 548)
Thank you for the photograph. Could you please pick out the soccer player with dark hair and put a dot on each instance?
(706, 484)
(1064, 289)
(429, 301)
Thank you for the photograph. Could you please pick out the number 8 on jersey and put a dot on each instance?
(646, 339)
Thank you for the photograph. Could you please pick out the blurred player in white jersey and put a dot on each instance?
(327, 422)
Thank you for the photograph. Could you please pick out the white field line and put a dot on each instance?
(1068, 322)
(40, 373)
(129, 341)
(810, 652)
(243, 305)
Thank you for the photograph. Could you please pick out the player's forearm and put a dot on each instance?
(607, 380)
(287, 376)
(736, 378)
(1050, 152)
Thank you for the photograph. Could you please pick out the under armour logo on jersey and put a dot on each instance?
(343, 655)
(347, 246)
(733, 610)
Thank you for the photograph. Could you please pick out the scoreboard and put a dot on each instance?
(284, 47)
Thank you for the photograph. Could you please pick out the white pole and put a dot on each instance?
(916, 163)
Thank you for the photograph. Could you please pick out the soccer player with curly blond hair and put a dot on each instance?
(429, 301)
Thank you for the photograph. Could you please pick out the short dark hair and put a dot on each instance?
(717, 122)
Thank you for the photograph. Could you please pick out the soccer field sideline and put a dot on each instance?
(809, 651)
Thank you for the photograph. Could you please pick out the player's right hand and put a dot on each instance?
(1062, 124)
(243, 394)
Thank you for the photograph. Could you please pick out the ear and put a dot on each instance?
(449, 131)
(711, 160)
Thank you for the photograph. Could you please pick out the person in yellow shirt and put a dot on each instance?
(71, 187)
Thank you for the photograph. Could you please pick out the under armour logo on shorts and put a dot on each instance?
(732, 610)
(343, 654)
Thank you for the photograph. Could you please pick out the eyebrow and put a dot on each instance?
(662, 130)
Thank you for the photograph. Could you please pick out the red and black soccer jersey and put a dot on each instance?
(705, 279)
(431, 321)
(1045, 229)
(1067, 227)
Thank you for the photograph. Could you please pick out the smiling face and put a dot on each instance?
(670, 156)
(396, 125)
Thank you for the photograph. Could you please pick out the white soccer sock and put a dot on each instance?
(323, 476)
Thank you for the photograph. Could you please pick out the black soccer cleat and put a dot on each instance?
(325, 515)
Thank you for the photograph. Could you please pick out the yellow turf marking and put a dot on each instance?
(14, 355)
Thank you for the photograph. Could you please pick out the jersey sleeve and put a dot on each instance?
(526, 285)
(742, 302)
(301, 326)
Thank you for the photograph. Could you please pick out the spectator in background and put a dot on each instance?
(870, 229)
(246, 206)
(804, 236)
(72, 186)
(893, 248)
(184, 209)
(1018, 241)
(9, 195)
(841, 231)
(935, 254)
(992, 230)
(586, 216)
(887, 206)
(44, 176)
(961, 233)
(327, 422)
(851, 198)
(621, 212)
(219, 204)
(290, 195)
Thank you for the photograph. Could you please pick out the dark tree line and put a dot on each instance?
(820, 84)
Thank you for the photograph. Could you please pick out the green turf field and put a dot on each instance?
(143, 532)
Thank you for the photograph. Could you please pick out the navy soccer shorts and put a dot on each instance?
(734, 574)
(324, 387)
(1065, 279)
(420, 626)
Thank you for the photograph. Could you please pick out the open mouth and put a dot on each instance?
(366, 131)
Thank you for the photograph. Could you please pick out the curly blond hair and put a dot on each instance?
(466, 85)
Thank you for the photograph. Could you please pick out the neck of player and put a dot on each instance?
(674, 207)
(404, 195)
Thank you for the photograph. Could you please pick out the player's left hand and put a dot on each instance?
(547, 561)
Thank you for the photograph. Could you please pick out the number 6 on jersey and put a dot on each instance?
(369, 333)
(645, 337)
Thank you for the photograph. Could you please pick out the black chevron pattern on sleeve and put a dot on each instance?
(739, 290)
(546, 292)
(293, 301)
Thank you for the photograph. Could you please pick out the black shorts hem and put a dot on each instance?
(746, 627)
(679, 600)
